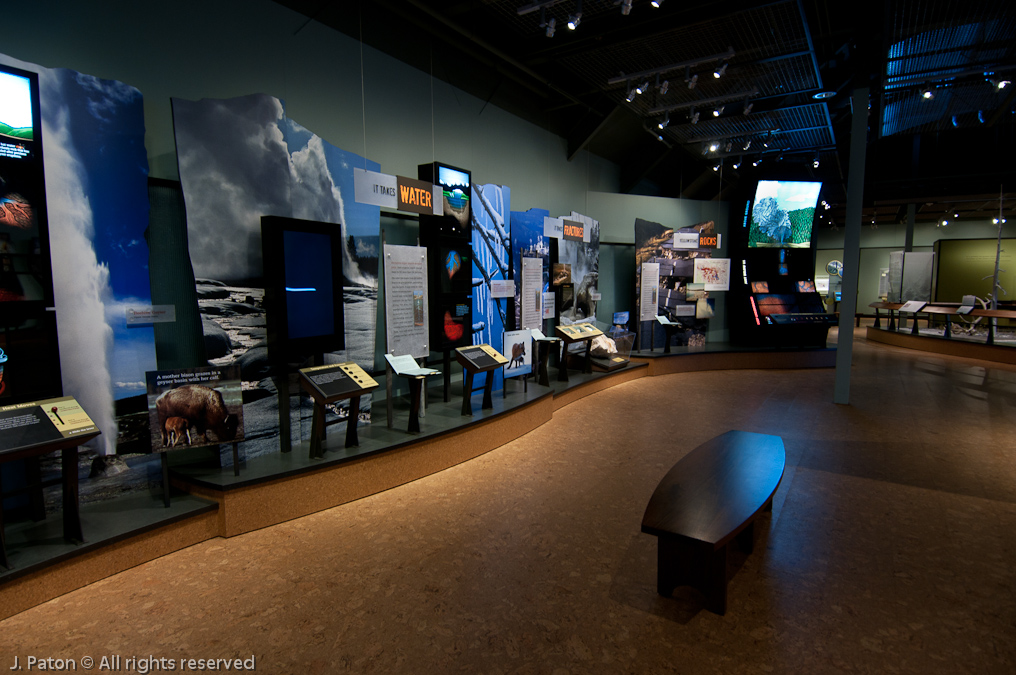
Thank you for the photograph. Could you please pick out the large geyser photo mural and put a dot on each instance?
(241, 159)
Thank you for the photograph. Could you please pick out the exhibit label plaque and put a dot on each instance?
(406, 307)
(36, 422)
(649, 293)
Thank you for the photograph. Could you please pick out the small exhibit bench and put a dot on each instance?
(711, 496)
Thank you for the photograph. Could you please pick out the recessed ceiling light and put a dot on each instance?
(823, 95)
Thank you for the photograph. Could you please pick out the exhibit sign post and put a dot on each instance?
(649, 295)
(532, 292)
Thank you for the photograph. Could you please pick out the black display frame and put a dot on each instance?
(281, 347)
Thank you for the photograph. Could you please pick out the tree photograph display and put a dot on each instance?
(782, 214)
(528, 241)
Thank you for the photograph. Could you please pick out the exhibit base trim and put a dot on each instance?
(938, 345)
(33, 582)
(735, 360)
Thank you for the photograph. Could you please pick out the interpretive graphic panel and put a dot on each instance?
(406, 320)
(33, 423)
(518, 347)
(343, 379)
(482, 357)
(529, 242)
(195, 407)
(532, 292)
(713, 273)
(648, 293)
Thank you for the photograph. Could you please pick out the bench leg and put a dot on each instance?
(683, 563)
(746, 538)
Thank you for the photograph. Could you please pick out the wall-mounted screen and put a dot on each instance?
(25, 273)
(303, 286)
(456, 186)
(782, 213)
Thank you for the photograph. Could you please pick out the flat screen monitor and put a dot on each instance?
(26, 281)
(782, 214)
(456, 189)
(620, 318)
(303, 286)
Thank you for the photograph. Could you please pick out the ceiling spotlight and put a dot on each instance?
(728, 147)
(756, 162)
(747, 144)
(692, 80)
(737, 164)
(705, 150)
(631, 95)
(956, 214)
(718, 111)
(826, 205)
(664, 122)
(995, 221)
(626, 7)
(716, 167)
(694, 117)
(927, 94)
(955, 122)
(642, 88)
(664, 86)
(718, 73)
(551, 27)
(574, 20)
(998, 84)
(980, 116)
(747, 108)
(657, 3)
(816, 162)
(714, 146)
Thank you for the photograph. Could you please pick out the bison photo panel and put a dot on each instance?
(185, 405)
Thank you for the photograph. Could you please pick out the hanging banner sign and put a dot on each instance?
(686, 240)
(377, 189)
(709, 241)
(553, 228)
(572, 230)
(415, 196)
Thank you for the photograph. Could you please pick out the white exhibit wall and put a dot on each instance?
(395, 114)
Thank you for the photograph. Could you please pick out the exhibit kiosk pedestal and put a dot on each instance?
(575, 333)
(328, 384)
(474, 360)
(40, 428)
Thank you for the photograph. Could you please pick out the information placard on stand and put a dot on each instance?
(577, 332)
(38, 428)
(543, 344)
(406, 366)
(331, 383)
(478, 359)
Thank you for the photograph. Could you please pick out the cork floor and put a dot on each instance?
(891, 547)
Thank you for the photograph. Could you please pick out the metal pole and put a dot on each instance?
(851, 243)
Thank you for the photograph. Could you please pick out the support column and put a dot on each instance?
(851, 243)
(908, 246)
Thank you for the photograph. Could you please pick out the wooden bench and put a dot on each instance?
(710, 497)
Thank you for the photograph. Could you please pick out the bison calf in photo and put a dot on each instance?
(202, 407)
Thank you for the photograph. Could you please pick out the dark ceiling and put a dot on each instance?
(949, 153)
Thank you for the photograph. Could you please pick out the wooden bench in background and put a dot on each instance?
(710, 497)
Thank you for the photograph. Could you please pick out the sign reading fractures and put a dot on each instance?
(573, 230)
